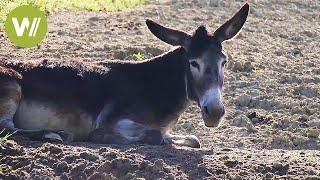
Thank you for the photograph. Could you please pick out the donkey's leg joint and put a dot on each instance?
(10, 95)
(6, 123)
(152, 137)
(126, 131)
(138, 133)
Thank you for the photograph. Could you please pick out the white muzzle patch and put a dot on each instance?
(212, 95)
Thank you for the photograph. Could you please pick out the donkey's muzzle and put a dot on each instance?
(212, 114)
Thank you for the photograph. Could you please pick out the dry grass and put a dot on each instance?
(55, 5)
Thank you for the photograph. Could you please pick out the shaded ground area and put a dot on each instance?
(272, 91)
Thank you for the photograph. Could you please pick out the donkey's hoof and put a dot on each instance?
(52, 137)
(55, 136)
(63, 134)
(192, 141)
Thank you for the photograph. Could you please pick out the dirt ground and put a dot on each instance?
(272, 95)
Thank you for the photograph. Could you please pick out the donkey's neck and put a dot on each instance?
(166, 92)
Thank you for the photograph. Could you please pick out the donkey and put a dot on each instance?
(127, 102)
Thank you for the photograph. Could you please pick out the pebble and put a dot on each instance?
(102, 176)
(215, 3)
(313, 133)
(244, 100)
(308, 91)
(241, 121)
(89, 156)
(242, 67)
(299, 140)
(63, 167)
(314, 123)
(158, 165)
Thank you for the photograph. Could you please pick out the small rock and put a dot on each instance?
(280, 168)
(299, 140)
(102, 150)
(109, 155)
(78, 168)
(231, 163)
(255, 120)
(88, 156)
(244, 100)
(314, 123)
(158, 165)
(62, 33)
(63, 167)
(243, 67)
(101, 176)
(282, 140)
(316, 78)
(313, 133)
(297, 52)
(105, 166)
(53, 149)
(250, 127)
(215, 3)
(234, 177)
(269, 175)
(94, 19)
(65, 176)
(123, 165)
(309, 33)
(308, 91)
(313, 177)
(241, 121)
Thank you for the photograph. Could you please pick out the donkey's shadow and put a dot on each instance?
(187, 160)
(184, 159)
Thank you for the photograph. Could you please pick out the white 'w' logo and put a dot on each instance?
(25, 25)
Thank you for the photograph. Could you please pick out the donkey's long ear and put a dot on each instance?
(170, 36)
(233, 26)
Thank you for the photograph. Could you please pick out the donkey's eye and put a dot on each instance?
(195, 64)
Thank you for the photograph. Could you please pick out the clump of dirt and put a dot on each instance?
(271, 93)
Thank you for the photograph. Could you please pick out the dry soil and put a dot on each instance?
(272, 95)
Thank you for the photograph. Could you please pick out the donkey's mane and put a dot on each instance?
(164, 56)
(200, 41)
(50, 64)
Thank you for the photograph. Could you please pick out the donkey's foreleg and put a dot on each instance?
(126, 131)
(10, 96)
(180, 140)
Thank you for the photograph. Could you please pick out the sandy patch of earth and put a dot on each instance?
(272, 94)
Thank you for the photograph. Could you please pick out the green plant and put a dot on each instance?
(55, 5)
(138, 56)
(2, 141)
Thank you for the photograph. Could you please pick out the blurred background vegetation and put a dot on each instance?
(55, 5)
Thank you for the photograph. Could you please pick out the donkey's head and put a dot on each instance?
(206, 61)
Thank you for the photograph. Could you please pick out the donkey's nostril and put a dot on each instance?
(216, 112)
